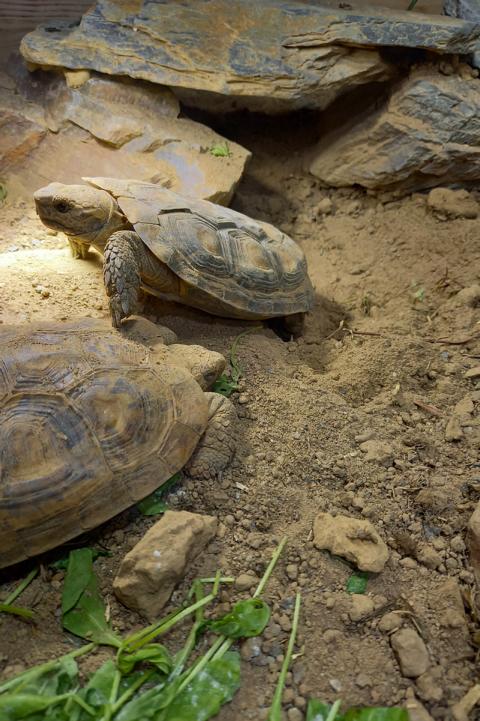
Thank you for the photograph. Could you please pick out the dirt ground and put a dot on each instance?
(383, 358)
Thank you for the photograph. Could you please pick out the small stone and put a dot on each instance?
(363, 680)
(365, 436)
(332, 635)
(378, 452)
(245, 581)
(250, 648)
(452, 203)
(411, 652)
(408, 563)
(325, 207)
(416, 710)
(429, 557)
(453, 431)
(351, 538)
(390, 622)
(243, 398)
(330, 602)
(294, 714)
(76, 78)
(360, 606)
(292, 571)
(429, 685)
(473, 373)
(288, 696)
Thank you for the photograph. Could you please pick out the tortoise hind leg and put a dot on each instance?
(127, 263)
(217, 445)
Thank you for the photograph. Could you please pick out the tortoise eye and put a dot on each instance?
(62, 207)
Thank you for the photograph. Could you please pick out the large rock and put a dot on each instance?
(151, 570)
(428, 134)
(272, 55)
(115, 128)
(465, 10)
(351, 538)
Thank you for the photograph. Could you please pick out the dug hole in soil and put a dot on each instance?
(382, 362)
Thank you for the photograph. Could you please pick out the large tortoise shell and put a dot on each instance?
(87, 427)
(247, 264)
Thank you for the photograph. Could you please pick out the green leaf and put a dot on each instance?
(225, 385)
(82, 607)
(149, 704)
(153, 653)
(319, 711)
(247, 618)
(378, 713)
(214, 686)
(220, 150)
(62, 563)
(16, 706)
(357, 583)
(154, 503)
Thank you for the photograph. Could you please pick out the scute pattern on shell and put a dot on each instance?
(247, 264)
(87, 427)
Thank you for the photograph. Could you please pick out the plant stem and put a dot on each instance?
(412, 4)
(16, 610)
(157, 629)
(38, 670)
(86, 707)
(201, 663)
(21, 587)
(270, 567)
(332, 714)
(126, 696)
(275, 710)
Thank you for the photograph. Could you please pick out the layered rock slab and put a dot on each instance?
(428, 134)
(269, 56)
(120, 129)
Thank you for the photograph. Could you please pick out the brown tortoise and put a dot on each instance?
(182, 249)
(91, 422)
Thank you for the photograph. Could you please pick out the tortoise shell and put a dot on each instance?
(248, 265)
(87, 428)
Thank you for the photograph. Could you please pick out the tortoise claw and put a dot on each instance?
(116, 311)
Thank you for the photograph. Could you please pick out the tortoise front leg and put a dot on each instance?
(128, 264)
(122, 265)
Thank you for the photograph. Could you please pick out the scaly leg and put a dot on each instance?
(128, 262)
(217, 445)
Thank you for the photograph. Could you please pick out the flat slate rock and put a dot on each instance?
(428, 134)
(268, 55)
(112, 128)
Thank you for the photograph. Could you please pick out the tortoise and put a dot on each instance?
(183, 249)
(92, 421)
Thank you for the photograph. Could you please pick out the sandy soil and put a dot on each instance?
(383, 358)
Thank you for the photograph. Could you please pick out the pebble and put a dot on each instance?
(245, 581)
(411, 652)
(292, 571)
(360, 606)
(250, 648)
(363, 680)
(294, 714)
(330, 602)
(390, 622)
(473, 373)
(325, 207)
(429, 557)
(408, 562)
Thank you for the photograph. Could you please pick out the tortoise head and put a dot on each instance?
(85, 214)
